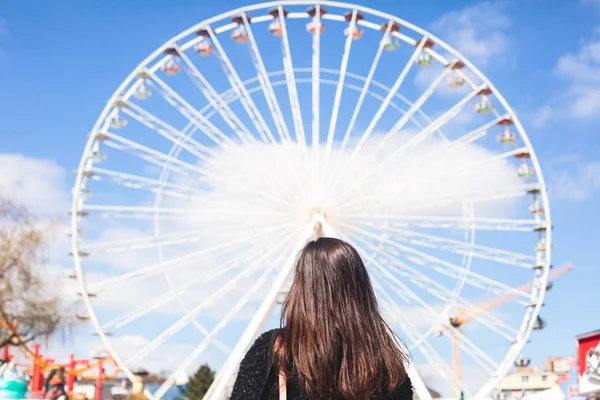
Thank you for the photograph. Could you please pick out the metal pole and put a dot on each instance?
(37, 379)
(99, 381)
(71, 374)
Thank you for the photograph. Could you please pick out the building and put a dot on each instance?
(526, 380)
(588, 364)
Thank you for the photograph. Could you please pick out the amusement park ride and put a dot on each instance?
(464, 316)
(179, 171)
(42, 368)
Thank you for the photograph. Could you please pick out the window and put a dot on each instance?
(524, 379)
(544, 378)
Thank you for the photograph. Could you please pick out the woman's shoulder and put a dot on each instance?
(261, 345)
(265, 338)
(257, 356)
(253, 369)
(404, 391)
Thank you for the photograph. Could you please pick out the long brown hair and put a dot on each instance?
(333, 341)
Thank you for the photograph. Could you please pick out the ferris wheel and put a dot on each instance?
(244, 136)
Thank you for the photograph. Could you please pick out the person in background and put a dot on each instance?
(55, 386)
(333, 342)
(137, 390)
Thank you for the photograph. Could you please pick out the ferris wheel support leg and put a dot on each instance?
(219, 390)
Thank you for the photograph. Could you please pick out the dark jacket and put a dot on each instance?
(253, 374)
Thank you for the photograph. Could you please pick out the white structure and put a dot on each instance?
(228, 147)
(526, 382)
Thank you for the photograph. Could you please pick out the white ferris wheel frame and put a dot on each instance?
(256, 325)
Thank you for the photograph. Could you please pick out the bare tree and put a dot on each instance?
(31, 307)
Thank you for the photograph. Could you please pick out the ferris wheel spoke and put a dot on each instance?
(486, 319)
(171, 214)
(222, 323)
(436, 124)
(452, 270)
(213, 297)
(154, 157)
(390, 96)
(476, 196)
(139, 312)
(139, 242)
(113, 283)
(416, 106)
(431, 355)
(417, 278)
(143, 183)
(364, 92)
(447, 296)
(475, 134)
(443, 369)
(449, 222)
(489, 321)
(316, 83)
(466, 345)
(477, 167)
(215, 100)
(338, 92)
(459, 247)
(119, 246)
(415, 140)
(152, 270)
(185, 211)
(165, 130)
(480, 164)
(189, 112)
(291, 81)
(471, 278)
(236, 83)
(164, 160)
(265, 84)
(400, 288)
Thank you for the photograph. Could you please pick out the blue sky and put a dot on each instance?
(61, 60)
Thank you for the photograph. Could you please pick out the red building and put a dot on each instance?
(588, 364)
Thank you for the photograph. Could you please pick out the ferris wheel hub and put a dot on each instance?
(318, 214)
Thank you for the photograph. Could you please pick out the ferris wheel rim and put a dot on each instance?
(543, 194)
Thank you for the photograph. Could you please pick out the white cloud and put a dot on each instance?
(575, 179)
(39, 184)
(580, 72)
(479, 32)
(542, 116)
